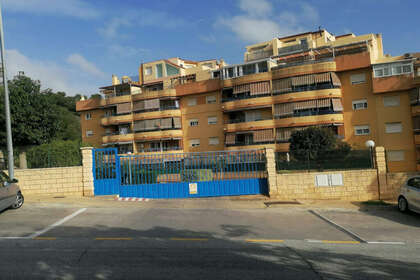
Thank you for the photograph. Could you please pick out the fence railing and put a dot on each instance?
(356, 159)
(192, 167)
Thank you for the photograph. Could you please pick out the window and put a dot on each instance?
(148, 71)
(358, 79)
(211, 99)
(414, 182)
(395, 155)
(393, 127)
(391, 101)
(215, 74)
(262, 67)
(212, 120)
(193, 122)
(108, 113)
(248, 69)
(194, 142)
(89, 133)
(392, 69)
(171, 70)
(192, 101)
(213, 140)
(361, 130)
(159, 71)
(360, 104)
(88, 116)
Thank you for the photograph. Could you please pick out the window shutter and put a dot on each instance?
(123, 108)
(337, 106)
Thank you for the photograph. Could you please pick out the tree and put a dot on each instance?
(38, 117)
(96, 95)
(314, 143)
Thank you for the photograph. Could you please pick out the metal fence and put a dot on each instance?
(192, 167)
(356, 159)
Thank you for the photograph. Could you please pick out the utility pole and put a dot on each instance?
(6, 103)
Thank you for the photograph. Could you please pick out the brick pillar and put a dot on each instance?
(381, 171)
(87, 162)
(272, 173)
(23, 164)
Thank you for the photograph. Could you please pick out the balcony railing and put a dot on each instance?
(242, 96)
(308, 88)
(308, 113)
(292, 49)
(249, 143)
(281, 65)
(117, 133)
(157, 129)
(163, 149)
(162, 108)
(242, 120)
(255, 55)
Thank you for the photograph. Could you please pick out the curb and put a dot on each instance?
(131, 199)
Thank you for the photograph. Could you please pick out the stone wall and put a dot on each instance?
(394, 183)
(51, 181)
(358, 185)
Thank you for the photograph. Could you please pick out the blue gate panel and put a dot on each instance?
(204, 189)
(106, 170)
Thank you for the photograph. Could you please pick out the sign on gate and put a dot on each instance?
(193, 188)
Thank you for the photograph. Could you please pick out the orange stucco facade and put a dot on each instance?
(310, 79)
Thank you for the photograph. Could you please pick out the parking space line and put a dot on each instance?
(264, 240)
(339, 227)
(56, 224)
(188, 239)
(387, 242)
(340, 242)
(113, 238)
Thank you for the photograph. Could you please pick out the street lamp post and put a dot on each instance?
(371, 144)
(6, 103)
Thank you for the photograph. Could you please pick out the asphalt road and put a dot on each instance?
(68, 242)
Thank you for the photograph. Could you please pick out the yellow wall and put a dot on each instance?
(204, 130)
(93, 124)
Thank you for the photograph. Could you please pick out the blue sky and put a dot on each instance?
(75, 45)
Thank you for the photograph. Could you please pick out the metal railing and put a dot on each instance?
(255, 55)
(242, 97)
(308, 113)
(163, 149)
(192, 167)
(242, 120)
(248, 143)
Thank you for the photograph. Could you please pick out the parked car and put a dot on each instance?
(10, 194)
(409, 198)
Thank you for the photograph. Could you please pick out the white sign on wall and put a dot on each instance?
(193, 188)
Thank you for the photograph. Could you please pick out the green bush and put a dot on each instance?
(55, 154)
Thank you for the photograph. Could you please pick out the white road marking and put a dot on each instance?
(56, 224)
(387, 242)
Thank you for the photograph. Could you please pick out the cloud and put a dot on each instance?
(117, 50)
(259, 21)
(72, 8)
(137, 19)
(80, 62)
(52, 75)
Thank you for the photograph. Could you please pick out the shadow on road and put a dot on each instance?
(153, 255)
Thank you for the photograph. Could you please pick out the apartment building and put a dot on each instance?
(345, 83)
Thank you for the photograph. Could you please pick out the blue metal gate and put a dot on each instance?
(183, 175)
(106, 171)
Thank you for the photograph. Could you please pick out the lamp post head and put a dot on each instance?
(370, 144)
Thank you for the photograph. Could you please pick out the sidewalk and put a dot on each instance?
(234, 202)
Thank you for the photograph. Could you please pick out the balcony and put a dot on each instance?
(256, 55)
(292, 49)
(296, 120)
(250, 143)
(158, 134)
(392, 83)
(158, 150)
(152, 94)
(116, 119)
(305, 67)
(113, 100)
(250, 125)
(415, 109)
(166, 113)
(118, 138)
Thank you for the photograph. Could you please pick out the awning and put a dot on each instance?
(241, 89)
(230, 139)
(177, 122)
(152, 124)
(337, 106)
(138, 105)
(323, 78)
(123, 108)
(139, 125)
(265, 135)
(282, 85)
(322, 103)
(304, 105)
(284, 109)
(303, 80)
(283, 134)
(166, 123)
(151, 104)
(335, 80)
(259, 88)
